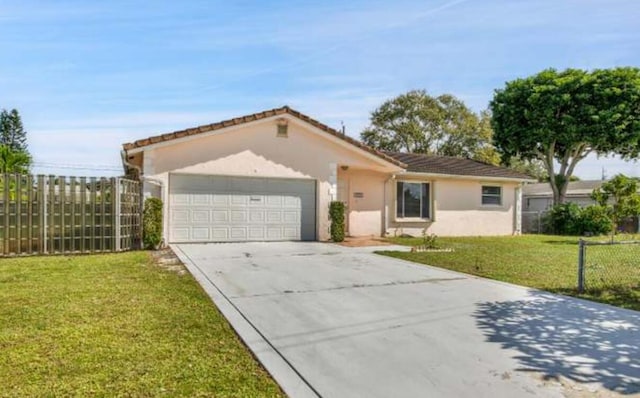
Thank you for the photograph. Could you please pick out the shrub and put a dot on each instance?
(595, 220)
(336, 215)
(564, 219)
(571, 219)
(152, 223)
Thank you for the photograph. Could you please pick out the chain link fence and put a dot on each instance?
(605, 265)
(533, 222)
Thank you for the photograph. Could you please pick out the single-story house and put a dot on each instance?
(539, 197)
(272, 175)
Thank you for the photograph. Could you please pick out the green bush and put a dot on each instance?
(564, 219)
(152, 223)
(595, 220)
(336, 215)
(571, 219)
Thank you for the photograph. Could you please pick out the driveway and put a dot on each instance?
(332, 321)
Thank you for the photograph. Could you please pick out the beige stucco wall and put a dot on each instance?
(255, 150)
(457, 209)
(363, 194)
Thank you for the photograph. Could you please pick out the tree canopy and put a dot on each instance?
(419, 123)
(565, 116)
(14, 156)
(12, 133)
(12, 161)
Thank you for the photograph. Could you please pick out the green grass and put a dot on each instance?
(116, 325)
(540, 261)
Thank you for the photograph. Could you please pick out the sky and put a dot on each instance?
(88, 76)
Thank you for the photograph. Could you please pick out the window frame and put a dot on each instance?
(499, 195)
(429, 193)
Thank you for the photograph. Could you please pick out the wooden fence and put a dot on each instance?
(60, 215)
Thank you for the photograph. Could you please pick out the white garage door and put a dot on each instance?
(235, 209)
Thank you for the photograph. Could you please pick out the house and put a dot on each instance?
(271, 176)
(539, 197)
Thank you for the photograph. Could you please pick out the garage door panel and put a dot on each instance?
(200, 233)
(218, 208)
(290, 217)
(180, 215)
(180, 234)
(238, 216)
(218, 200)
(274, 216)
(290, 232)
(239, 200)
(200, 199)
(219, 216)
(220, 234)
(257, 216)
(274, 201)
(238, 233)
(199, 216)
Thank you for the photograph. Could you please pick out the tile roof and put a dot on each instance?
(421, 163)
(253, 117)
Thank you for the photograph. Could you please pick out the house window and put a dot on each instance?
(491, 195)
(412, 200)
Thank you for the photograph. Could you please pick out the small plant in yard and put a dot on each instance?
(152, 223)
(336, 215)
(429, 240)
(429, 243)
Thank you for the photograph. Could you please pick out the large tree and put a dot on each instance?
(419, 123)
(561, 117)
(12, 132)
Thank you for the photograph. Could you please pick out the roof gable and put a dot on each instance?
(285, 110)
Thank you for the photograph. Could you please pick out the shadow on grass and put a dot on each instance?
(563, 242)
(620, 297)
(581, 341)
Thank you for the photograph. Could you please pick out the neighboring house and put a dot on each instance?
(272, 175)
(539, 197)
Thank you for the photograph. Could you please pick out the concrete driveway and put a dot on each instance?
(331, 321)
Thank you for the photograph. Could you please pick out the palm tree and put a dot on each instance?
(12, 161)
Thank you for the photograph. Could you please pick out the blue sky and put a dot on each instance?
(89, 76)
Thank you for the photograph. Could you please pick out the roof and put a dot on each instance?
(575, 188)
(421, 163)
(254, 117)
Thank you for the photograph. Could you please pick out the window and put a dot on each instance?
(491, 195)
(412, 200)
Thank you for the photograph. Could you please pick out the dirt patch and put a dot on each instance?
(167, 259)
(364, 242)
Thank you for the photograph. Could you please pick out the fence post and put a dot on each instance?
(581, 260)
(118, 212)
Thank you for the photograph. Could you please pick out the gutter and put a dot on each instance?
(466, 177)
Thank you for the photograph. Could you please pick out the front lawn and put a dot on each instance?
(541, 261)
(116, 325)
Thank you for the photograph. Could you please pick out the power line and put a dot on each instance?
(77, 166)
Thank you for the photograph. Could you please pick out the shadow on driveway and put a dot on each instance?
(582, 341)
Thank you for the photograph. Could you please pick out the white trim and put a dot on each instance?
(462, 177)
(500, 196)
(413, 219)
